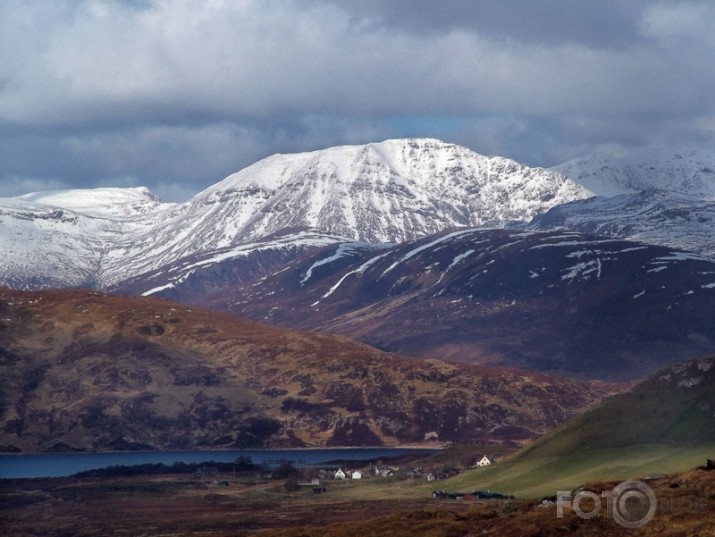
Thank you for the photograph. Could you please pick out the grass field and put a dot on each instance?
(540, 477)
(544, 476)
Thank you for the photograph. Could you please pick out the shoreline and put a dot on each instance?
(49, 465)
(416, 447)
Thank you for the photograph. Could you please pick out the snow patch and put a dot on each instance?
(459, 258)
(342, 250)
(427, 246)
(682, 256)
(569, 243)
(583, 271)
(359, 271)
(633, 249)
(159, 289)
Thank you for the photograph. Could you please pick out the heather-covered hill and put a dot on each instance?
(86, 371)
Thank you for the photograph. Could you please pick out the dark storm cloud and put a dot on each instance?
(601, 24)
(177, 94)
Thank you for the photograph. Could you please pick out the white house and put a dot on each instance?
(356, 475)
(340, 474)
(484, 461)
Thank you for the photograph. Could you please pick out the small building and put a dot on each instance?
(340, 474)
(484, 461)
(356, 475)
(385, 472)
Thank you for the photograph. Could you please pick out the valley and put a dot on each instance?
(670, 461)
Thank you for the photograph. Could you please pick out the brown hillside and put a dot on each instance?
(88, 371)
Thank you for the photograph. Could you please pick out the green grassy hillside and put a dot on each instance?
(664, 424)
(539, 477)
(674, 407)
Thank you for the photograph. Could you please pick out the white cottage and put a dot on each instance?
(340, 474)
(484, 461)
(357, 475)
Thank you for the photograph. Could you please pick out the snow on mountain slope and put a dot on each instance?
(44, 246)
(384, 192)
(210, 272)
(101, 202)
(391, 191)
(686, 171)
(566, 302)
(61, 238)
(653, 216)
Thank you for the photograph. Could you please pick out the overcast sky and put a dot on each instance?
(177, 94)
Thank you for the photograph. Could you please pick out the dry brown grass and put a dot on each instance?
(180, 506)
(692, 514)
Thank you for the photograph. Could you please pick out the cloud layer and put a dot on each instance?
(176, 94)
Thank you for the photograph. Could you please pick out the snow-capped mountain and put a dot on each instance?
(391, 191)
(659, 196)
(388, 228)
(382, 192)
(42, 247)
(60, 238)
(687, 171)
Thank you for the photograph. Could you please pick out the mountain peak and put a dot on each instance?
(102, 202)
(683, 170)
(387, 191)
